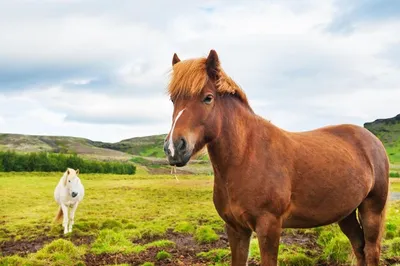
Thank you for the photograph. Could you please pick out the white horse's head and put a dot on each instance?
(72, 181)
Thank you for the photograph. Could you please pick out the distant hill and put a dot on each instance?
(58, 144)
(146, 151)
(388, 131)
(149, 146)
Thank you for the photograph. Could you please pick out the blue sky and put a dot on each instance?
(99, 69)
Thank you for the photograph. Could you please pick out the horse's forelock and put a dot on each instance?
(189, 77)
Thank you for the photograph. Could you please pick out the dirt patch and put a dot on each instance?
(23, 247)
(185, 251)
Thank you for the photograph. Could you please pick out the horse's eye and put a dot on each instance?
(69, 181)
(172, 100)
(208, 99)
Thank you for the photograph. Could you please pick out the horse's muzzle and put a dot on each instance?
(178, 153)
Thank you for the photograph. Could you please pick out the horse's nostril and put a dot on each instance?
(166, 149)
(74, 194)
(182, 144)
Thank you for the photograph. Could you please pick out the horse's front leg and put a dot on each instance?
(239, 242)
(65, 220)
(72, 216)
(268, 231)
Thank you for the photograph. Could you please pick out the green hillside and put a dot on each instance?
(388, 131)
(58, 144)
(149, 146)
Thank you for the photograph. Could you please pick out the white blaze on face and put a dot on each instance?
(171, 145)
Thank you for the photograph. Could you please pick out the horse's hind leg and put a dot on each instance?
(352, 229)
(372, 214)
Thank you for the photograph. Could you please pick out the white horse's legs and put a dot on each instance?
(72, 216)
(65, 220)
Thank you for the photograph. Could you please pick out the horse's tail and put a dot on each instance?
(59, 215)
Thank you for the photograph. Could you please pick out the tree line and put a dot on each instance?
(11, 161)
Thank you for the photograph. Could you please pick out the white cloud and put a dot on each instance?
(295, 73)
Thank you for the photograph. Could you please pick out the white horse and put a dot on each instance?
(68, 193)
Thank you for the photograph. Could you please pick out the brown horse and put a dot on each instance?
(267, 178)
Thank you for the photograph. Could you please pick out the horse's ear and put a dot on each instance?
(67, 171)
(212, 64)
(77, 171)
(175, 59)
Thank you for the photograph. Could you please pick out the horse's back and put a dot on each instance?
(334, 168)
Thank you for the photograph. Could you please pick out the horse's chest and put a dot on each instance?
(232, 211)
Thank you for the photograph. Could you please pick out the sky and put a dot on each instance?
(100, 69)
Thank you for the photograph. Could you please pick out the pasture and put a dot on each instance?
(146, 219)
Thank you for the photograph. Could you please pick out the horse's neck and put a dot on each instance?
(241, 130)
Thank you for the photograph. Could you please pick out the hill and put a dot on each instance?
(388, 131)
(58, 144)
(146, 151)
(149, 146)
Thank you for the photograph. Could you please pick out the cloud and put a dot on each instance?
(351, 14)
(100, 70)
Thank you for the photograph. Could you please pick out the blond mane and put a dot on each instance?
(190, 76)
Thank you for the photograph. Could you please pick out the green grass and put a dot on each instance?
(388, 131)
(205, 234)
(216, 255)
(184, 227)
(163, 255)
(131, 215)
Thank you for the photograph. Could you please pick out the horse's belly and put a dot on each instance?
(323, 207)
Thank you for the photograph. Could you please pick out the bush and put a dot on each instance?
(51, 162)
(394, 174)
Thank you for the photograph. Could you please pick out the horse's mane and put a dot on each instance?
(190, 76)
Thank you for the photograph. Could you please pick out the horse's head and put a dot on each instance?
(197, 89)
(72, 181)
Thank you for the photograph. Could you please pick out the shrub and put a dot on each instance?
(394, 174)
(54, 162)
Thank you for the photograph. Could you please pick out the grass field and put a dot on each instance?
(148, 220)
